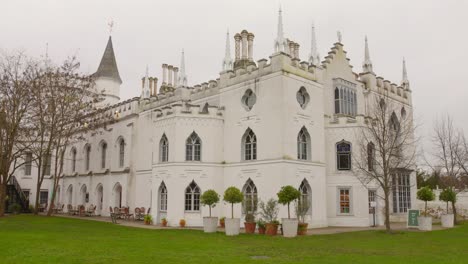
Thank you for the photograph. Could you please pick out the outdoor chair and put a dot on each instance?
(91, 211)
(138, 214)
(127, 214)
(81, 210)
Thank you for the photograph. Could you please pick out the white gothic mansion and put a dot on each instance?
(259, 126)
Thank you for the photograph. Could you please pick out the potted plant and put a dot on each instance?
(182, 223)
(250, 206)
(269, 212)
(425, 221)
(448, 195)
(261, 226)
(148, 219)
(302, 207)
(221, 221)
(232, 195)
(286, 195)
(164, 222)
(210, 198)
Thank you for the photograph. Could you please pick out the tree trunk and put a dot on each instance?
(232, 210)
(2, 198)
(454, 211)
(210, 210)
(36, 202)
(387, 212)
(52, 201)
(289, 217)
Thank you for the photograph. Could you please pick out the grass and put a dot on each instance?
(38, 239)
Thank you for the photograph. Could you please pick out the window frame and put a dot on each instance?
(163, 197)
(339, 201)
(164, 149)
(251, 196)
(28, 164)
(401, 192)
(339, 154)
(103, 155)
(249, 145)
(87, 157)
(121, 153)
(193, 150)
(304, 147)
(192, 198)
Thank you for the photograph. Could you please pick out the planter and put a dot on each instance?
(232, 226)
(221, 223)
(250, 227)
(290, 227)
(164, 224)
(425, 223)
(302, 229)
(447, 220)
(182, 223)
(147, 222)
(271, 229)
(210, 224)
(261, 230)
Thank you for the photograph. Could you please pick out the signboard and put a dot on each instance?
(412, 219)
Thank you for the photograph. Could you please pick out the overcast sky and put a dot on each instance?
(430, 34)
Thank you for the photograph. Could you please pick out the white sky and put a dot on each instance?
(430, 34)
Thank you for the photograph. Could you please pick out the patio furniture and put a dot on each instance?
(138, 214)
(127, 215)
(81, 210)
(70, 210)
(119, 212)
(91, 211)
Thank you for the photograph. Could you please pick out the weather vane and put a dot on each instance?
(111, 25)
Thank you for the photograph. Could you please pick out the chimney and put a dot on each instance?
(176, 71)
(237, 38)
(155, 86)
(244, 35)
(164, 66)
(170, 68)
(291, 48)
(142, 82)
(250, 38)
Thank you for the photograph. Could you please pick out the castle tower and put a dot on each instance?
(281, 43)
(367, 64)
(314, 57)
(107, 77)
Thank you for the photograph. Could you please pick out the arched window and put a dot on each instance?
(192, 197)
(103, 155)
(163, 149)
(87, 157)
(249, 142)
(163, 197)
(303, 144)
(193, 148)
(121, 153)
(343, 155)
(249, 205)
(305, 200)
(403, 113)
(73, 165)
(370, 156)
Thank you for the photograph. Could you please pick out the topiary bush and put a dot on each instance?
(425, 194)
(210, 198)
(448, 195)
(233, 195)
(288, 194)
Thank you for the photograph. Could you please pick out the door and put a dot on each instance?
(372, 208)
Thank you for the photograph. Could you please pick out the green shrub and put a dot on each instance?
(233, 195)
(14, 208)
(210, 198)
(425, 194)
(269, 210)
(287, 194)
(448, 195)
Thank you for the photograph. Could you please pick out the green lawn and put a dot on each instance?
(30, 239)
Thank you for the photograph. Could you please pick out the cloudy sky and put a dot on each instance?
(430, 34)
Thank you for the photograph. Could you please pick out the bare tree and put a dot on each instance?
(386, 149)
(16, 75)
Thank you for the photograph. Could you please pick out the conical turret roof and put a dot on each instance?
(108, 66)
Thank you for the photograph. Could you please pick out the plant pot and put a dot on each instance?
(447, 220)
(182, 223)
(290, 227)
(261, 230)
(232, 226)
(210, 224)
(271, 229)
(250, 227)
(221, 223)
(147, 222)
(302, 229)
(425, 223)
(164, 224)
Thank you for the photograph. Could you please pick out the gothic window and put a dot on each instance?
(121, 153)
(192, 197)
(249, 205)
(193, 148)
(345, 101)
(370, 156)
(403, 113)
(303, 144)
(103, 154)
(249, 99)
(343, 155)
(249, 141)
(73, 165)
(302, 97)
(305, 199)
(87, 157)
(401, 192)
(163, 197)
(164, 149)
